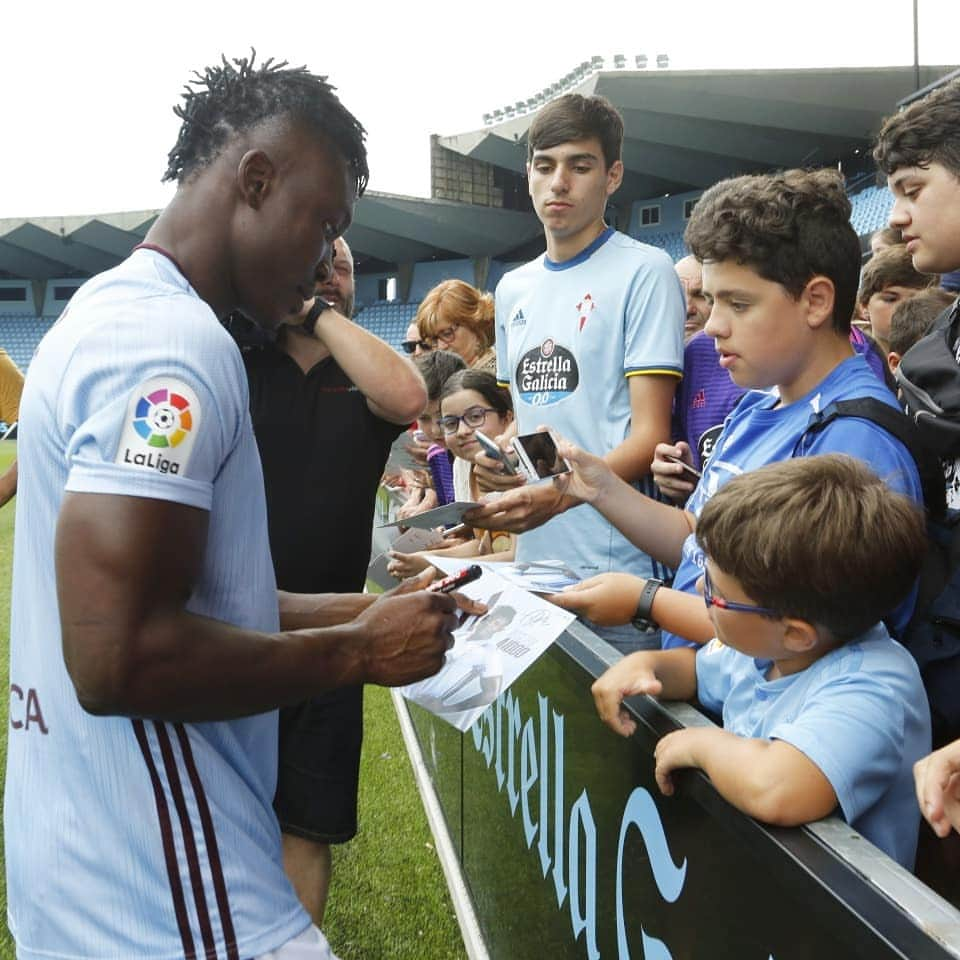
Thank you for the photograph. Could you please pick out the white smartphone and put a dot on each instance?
(492, 450)
(539, 459)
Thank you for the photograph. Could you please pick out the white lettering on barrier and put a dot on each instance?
(572, 850)
(577, 876)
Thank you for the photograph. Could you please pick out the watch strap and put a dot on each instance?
(643, 618)
(310, 320)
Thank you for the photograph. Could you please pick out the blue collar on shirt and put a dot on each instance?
(584, 254)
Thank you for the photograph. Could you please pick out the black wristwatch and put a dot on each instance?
(310, 320)
(643, 619)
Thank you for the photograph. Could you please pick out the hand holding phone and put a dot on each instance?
(539, 457)
(693, 471)
(494, 452)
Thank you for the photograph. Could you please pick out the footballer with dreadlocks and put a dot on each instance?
(149, 650)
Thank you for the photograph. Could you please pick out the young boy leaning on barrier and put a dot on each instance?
(781, 265)
(821, 708)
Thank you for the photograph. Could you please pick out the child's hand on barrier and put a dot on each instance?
(674, 752)
(937, 781)
(630, 677)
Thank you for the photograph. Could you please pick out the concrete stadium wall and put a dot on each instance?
(671, 214)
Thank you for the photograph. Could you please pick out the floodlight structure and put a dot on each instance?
(663, 60)
(619, 61)
(596, 62)
(641, 61)
(487, 119)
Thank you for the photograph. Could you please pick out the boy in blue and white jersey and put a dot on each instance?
(146, 661)
(821, 709)
(589, 339)
(780, 269)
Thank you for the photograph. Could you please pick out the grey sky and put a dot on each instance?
(88, 87)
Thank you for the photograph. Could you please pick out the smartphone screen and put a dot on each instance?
(538, 453)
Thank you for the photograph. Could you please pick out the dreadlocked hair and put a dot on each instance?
(236, 95)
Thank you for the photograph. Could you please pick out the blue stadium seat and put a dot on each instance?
(388, 319)
(20, 335)
(871, 209)
(671, 242)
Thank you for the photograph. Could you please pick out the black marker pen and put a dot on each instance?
(465, 576)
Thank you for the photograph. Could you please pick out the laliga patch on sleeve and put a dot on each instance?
(160, 426)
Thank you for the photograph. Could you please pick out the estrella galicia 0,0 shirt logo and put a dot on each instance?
(546, 374)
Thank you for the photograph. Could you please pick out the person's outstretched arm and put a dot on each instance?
(611, 599)
(530, 506)
(132, 648)
(769, 780)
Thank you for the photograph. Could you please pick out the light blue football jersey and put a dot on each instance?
(569, 337)
(135, 837)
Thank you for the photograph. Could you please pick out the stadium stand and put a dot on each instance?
(671, 242)
(20, 335)
(871, 209)
(387, 319)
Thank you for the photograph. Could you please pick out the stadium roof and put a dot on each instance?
(387, 228)
(684, 130)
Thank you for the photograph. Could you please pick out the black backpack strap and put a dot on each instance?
(898, 425)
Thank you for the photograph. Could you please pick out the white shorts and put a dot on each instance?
(309, 945)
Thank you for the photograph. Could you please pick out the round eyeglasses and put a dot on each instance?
(444, 336)
(474, 417)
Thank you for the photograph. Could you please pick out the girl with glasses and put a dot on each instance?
(470, 400)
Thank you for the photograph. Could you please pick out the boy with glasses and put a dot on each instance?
(821, 708)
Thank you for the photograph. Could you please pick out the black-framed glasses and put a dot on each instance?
(474, 417)
(711, 600)
(410, 346)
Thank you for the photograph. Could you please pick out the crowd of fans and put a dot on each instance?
(736, 547)
(780, 321)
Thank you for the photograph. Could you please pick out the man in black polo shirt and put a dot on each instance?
(326, 408)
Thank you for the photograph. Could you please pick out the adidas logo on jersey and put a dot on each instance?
(518, 319)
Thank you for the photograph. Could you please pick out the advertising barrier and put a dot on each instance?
(568, 850)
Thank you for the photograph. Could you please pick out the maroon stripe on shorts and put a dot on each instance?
(169, 849)
(189, 841)
(210, 839)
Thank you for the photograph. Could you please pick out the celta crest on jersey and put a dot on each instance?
(584, 308)
(547, 374)
(160, 426)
